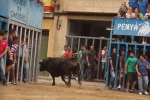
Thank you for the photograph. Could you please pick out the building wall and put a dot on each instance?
(49, 25)
(90, 6)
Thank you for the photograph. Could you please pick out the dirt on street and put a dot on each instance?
(43, 90)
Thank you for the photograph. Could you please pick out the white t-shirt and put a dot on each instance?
(103, 58)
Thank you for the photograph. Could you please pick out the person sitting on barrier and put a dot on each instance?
(146, 16)
(63, 52)
(121, 65)
(123, 11)
(112, 67)
(142, 67)
(131, 72)
(3, 51)
(130, 13)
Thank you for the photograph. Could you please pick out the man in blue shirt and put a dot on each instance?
(143, 4)
(134, 4)
(142, 67)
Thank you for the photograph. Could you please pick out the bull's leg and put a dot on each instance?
(69, 81)
(53, 81)
(79, 76)
(63, 79)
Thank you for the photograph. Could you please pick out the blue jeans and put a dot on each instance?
(142, 79)
(83, 66)
(103, 65)
(2, 70)
(111, 82)
(24, 70)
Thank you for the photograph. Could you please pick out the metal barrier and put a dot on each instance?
(126, 46)
(97, 42)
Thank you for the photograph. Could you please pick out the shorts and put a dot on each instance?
(9, 62)
(119, 75)
(131, 75)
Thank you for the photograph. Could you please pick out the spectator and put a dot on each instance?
(83, 62)
(23, 56)
(138, 14)
(3, 51)
(130, 71)
(92, 67)
(63, 52)
(75, 51)
(143, 6)
(104, 54)
(121, 65)
(142, 67)
(68, 53)
(134, 4)
(112, 67)
(130, 13)
(79, 53)
(123, 11)
(147, 15)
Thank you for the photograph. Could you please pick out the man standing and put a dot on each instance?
(142, 67)
(112, 67)
(92, 67)
(83, 61)
(63, 52)
(80, 53)
(121, 65)
(68, 53)
(130, 71)
(104, 54)
(3, 51)
(134, 4)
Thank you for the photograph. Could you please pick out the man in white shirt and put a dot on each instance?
(104, 54)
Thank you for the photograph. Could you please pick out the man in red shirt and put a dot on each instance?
(3, 51)
(68, 53)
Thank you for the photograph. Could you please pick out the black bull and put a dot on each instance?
(60, 67)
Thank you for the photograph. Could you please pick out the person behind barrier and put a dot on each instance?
(138, 14)
(143, 4)
(3, 51)
(104, 54)
(14, 49)
(99, 57)
(121, 66)
(130, 13)
(92, 67)
(68, 53)
(134, 4)
(75, 52)
(63, 52)
(112, 67)
(83, 62)
(23, 54)
(142, 67)
(9, 62)
(131, 72)
(79, 53)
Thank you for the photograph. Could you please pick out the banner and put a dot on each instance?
(131, 27)
(49, 5)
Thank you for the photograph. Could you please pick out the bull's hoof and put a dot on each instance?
(80, 83)
(69, 84)
(53, 84)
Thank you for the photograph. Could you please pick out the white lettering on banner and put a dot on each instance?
(130, 27)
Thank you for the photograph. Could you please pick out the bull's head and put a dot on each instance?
(42, 65)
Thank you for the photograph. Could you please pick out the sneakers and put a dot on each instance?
(77, 78)
(4, 83)
(140, 93)
(146, 92)
(14, 83)
(119, 86)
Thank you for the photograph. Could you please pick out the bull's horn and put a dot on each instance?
(41, 60)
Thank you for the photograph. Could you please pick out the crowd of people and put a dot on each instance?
(88, 60)
(138, 9)
(9, 45)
